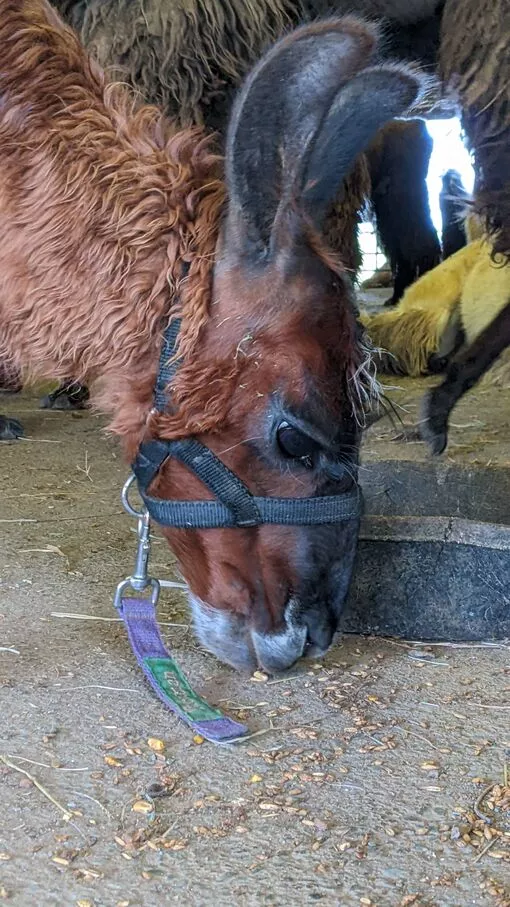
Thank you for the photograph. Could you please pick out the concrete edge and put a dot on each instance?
(448, 530)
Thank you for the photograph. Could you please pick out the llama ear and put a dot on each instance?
(301, 109)
(277, 112)
(358, 111)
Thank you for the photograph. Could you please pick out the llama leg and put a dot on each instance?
(10, 383)
(69, 395)
(451, 343)
(404, 275)
(462, 373)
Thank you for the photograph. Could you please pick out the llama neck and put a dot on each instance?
(126, 365)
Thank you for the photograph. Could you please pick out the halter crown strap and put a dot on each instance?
(168, 365)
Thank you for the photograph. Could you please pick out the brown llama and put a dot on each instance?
(474, 65)
(114, 223)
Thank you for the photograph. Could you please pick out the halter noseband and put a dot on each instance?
(234, 506)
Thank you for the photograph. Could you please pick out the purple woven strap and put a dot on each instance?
(166, 679)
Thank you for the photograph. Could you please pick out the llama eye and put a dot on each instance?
(295, 445)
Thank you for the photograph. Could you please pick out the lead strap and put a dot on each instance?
(165, 677)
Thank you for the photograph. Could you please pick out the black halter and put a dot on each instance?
(234, 506)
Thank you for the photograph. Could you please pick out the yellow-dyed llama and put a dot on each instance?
(447, 307)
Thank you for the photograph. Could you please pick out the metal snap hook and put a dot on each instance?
(140, 578)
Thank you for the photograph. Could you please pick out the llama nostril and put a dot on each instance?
(319, 636)
(312, 650)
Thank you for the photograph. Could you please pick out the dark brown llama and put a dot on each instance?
(398, 163)
(462, 373)
(453, 202)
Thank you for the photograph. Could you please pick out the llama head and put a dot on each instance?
(280, 378)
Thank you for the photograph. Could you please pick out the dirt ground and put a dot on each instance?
(373, 779)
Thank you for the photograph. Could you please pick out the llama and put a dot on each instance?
(413, 335)
(458, 297)
(462, 373)
(473, 65)
(453, 201)
(116, 224)
(398, 163)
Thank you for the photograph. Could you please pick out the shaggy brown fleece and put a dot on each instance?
(341, 226)
(189, 56)
(186, 56)
(474, 60)
(94, 248)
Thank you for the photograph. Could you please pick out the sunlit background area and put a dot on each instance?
(449, 152)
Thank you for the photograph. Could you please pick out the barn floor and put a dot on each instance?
(366, 781)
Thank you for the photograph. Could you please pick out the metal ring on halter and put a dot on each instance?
(125, 499)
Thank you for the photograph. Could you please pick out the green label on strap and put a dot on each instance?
(174, 684)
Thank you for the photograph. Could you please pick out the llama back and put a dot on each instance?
(93, 198)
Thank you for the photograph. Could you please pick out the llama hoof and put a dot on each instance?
(10, 429)
(433, 426)
(68, 397)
